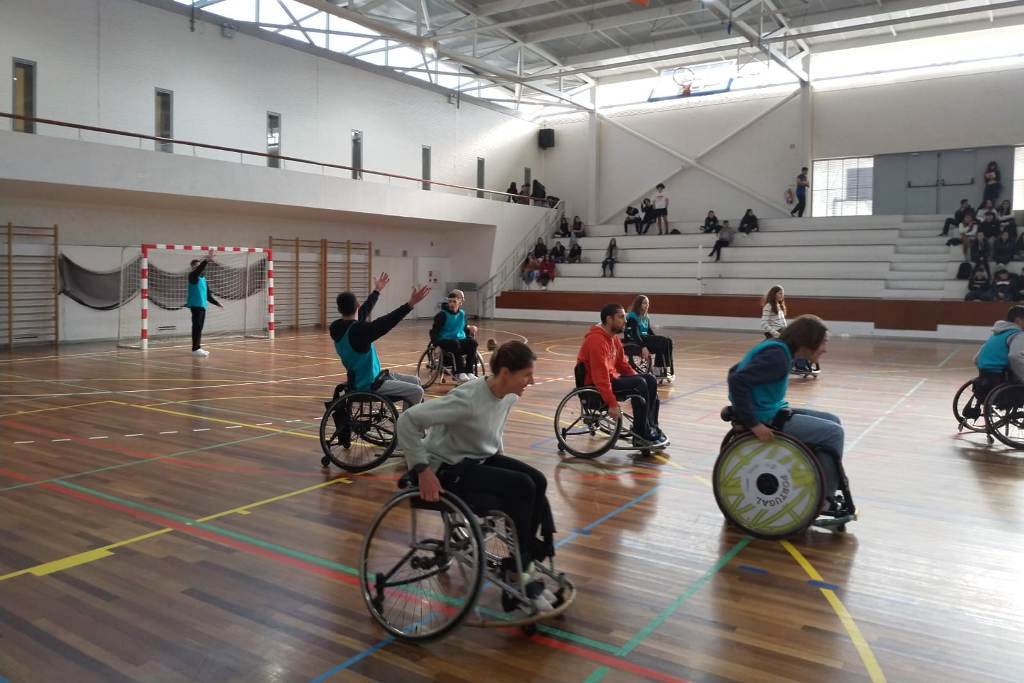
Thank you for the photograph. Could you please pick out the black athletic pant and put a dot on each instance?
(801, 204)
(661, 347)
(509, 485)
(645, 417)
(716, 250)
(635, 222)
(464, 351)
(198, 320)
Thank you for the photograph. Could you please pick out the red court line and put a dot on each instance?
(607, 660)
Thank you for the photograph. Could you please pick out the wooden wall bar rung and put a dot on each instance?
(29, 284)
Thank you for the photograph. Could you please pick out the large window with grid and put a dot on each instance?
(842, 187)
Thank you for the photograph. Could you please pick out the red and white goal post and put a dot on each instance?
(241, 279)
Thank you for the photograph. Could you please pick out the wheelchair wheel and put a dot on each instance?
(769, 490)
(358, 431)
(1004, 414)
(429, 367)
(422, 565)
(583, 426)
(967, 409)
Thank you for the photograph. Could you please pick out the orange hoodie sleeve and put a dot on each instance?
(595, 355)
(621, 364)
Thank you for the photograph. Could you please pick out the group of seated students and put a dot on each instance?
(994, 238)
(574, 231)
(748, 224)
(532, 193)
(650, 212)
(464, 451)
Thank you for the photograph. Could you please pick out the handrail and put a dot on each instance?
(235, 150)
(505, 274)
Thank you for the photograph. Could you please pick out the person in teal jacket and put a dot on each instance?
(198, 296)
(757, 391)
(639, 331)
(1001, 358)
(451, 332)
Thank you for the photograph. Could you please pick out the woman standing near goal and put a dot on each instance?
(198, 296)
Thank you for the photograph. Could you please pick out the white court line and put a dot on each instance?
(131, 435)
(146, 391)
(881, 417)
(17, 443)
(58, 440)
(202, 429)
(263, 424)
(946, 359)
(172, 432)
(96, 438)
(234, 427)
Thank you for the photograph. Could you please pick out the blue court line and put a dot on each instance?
(752, 569)
(813, 582)
(355, 659)
(692, 392)
(823, 584)
(351, 661)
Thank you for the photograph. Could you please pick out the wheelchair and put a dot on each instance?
(425, 568)
(358, 430)
(776, 489)
(969, 404)
(1004, 414)
(634, 354)
(432, 367)
(584, 428)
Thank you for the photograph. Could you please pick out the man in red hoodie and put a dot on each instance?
(610, 372)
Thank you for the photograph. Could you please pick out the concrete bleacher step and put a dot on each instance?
(762, 239)
(936, 250)
(920, 267)
(719, 285)
(751, 254)
(917, 284)
(736, 269)
(841, 224)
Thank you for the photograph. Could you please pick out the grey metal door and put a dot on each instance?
(890, 185)
(922, 182)
(958, 170)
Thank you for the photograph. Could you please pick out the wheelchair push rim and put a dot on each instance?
(582, 428)
(770, 490)
(1004, 415)
(430, 366)
(369, 426)
(975, 424)
(421, 566)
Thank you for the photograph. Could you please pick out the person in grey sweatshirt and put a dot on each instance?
(463, 453)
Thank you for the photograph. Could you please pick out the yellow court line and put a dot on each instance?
(88, 556)
(44, 410)
(866, 655)
(264, 397)
(217, 419)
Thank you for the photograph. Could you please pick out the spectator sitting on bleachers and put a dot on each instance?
(967, 230)
(979, 286)
(577, 227)
(725, 235)
(748, 223)
(547, 272)
(710, 223)
(557, 253)
(958, 217)
(563, 227)
(649, 214)
(540, 250)
(985, 207)
(575, 253)
(989, 229)
(611, 255)
(1002, 250)
(1018, 292)
(632, 218)
(530, 269)
(1004, 214)
(1004, 285)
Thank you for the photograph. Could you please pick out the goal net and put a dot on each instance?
(154, 289)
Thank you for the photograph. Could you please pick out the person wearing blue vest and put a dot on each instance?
(454, 336)
(1001, 358)
(639, 331)
(353, 335)
(757, 391)
(198, 296)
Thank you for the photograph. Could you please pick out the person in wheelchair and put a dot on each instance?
(640, 332)
(354, 335)
(464, 454)
(610, 372)
(1001, 358)
(757, 392)
(451, 333)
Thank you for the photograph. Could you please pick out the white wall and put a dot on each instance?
(98, 62)
(932, 113)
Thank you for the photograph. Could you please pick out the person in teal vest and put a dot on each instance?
(354, 336)
(454, 336)
(1001, 358)
(639, 331)
(197, 297)
(757, 391)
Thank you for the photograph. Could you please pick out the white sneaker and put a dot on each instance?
(200, 353)
(464, 377)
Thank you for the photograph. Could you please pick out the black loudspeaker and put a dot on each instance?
(546, 138)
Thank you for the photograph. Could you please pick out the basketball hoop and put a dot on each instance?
(684, 77)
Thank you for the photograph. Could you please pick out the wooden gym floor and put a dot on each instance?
(168, 520)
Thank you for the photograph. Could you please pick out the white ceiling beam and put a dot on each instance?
(616, 21)
(295, 21)
(530, 19)
(508, 6)
(753, 35)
